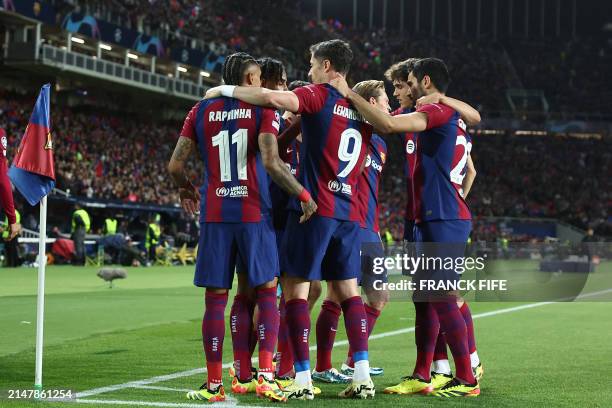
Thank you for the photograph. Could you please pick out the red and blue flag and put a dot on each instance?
(33, 169)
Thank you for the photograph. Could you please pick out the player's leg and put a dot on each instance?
(342, 268)
(241, 322)
(441, 372)
(257, 248)
(268, 320)
(215, 274)
(284, 368)
(449, 238)
(314, 293)
(326, 328)
(477, 368)
(303, 249)
(427, 325)
(376, 299)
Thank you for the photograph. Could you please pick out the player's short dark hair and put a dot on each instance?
(234, 67)
(435, 69)
(369, 89)
(271, 69)
(337, 52)
(400, 70)
(297, 84)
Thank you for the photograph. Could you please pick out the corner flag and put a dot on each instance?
(33, 173)
(33, 170)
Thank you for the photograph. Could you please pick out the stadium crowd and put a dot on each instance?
(483, 69)
(102, 155)
(518, 176)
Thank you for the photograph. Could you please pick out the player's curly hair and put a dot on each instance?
(234, 67)
(271, 70)
(400, 70)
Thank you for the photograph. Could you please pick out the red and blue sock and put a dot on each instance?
(267, 329)
(426, 329)
(467, 318)
(299, 331)
(327, 324)
(440, 352)
(241, 323)
(372, 315)
(356, 324)
(285, 354)
(213, 334)
(455, 332)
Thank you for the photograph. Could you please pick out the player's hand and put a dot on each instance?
(213, 93)
(428, 99)
(309, 208)
(339, 82)
(190, 199)
(291, 117)
(15, 230)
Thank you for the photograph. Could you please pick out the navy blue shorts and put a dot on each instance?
(441, 240)
(223, 245)
(372, 258)
(322, 248)
(409, 230)
(278, 234)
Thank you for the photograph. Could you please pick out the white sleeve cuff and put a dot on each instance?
(228, 90)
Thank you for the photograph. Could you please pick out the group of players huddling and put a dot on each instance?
(290, 190)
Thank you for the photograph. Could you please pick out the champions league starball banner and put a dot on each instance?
(210, 61)
(104, 31)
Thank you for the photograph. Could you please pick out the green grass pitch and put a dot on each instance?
(146, 332)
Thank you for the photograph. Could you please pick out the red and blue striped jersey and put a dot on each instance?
(463, 147)
(409, 140)
(335, 140)
(369, 183)
(436, 197)
(280, 198)
(236, 185)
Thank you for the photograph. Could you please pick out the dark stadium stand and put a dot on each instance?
(519, 176)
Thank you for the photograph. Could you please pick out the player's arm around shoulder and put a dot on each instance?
(469, 114)
(286, 100)
(281, 174)
(382, 122)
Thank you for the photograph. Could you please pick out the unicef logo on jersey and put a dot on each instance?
(410, 147)
(368, 161)
(222, 192)
(334, 186)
